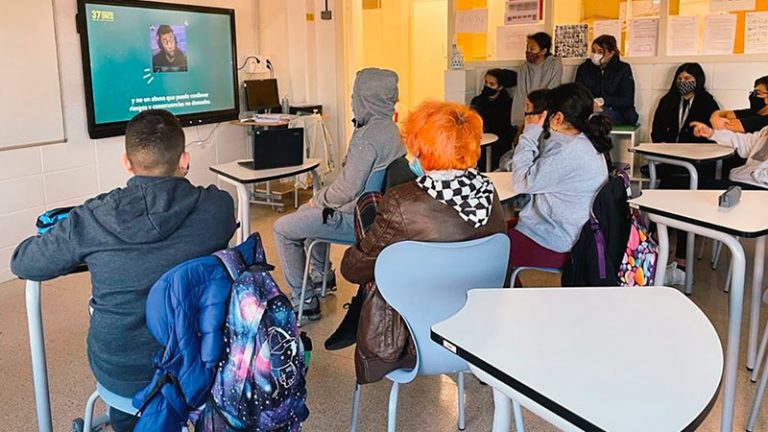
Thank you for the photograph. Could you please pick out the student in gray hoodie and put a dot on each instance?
(128, 238)
(375, 144)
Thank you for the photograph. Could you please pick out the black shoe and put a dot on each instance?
(330, 284)
(346, 334)
(311, 309)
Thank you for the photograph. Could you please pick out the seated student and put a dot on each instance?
(375, 144)
(752, 146)
(563, 175)
(541, 70)
(444, 138)
(495, 107)
(610, 81)
(747, 120)
(535, 103)
(130, 237)
(686, 101)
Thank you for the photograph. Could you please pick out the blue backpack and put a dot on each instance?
(260, 385)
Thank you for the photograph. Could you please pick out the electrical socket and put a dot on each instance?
(254, 66)
(326, 15)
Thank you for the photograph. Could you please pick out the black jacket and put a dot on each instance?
(614, 84)
(497, 119)
(666, 119)
(128, 237)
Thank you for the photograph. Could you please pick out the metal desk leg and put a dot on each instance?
(37, 350)
(754, 314)
(502, 411)
(243, 208)
(488, 158)
(736, 304)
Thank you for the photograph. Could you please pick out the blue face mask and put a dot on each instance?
(415, 166)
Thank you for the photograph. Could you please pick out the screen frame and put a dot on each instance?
(103, 130)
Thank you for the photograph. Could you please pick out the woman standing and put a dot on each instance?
(610, 81)
(541, 70)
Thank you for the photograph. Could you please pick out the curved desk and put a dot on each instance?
(593, 359)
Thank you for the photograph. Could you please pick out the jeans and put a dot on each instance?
(295, 231)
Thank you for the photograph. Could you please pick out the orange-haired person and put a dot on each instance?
(444, 140)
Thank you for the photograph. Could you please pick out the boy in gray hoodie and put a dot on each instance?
(375, 144)
(128, 238)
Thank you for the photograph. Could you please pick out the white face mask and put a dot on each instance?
(596, 58)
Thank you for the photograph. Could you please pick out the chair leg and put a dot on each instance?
(502, 409)
(88, 416)
(518, 413)
(515, 273)
(716, 258)
(728, 276)
(326, 268)
(758, 401)
(304, 284)
(760, 354)
(355, 408)
(701, 249)
(461, 400)
(392, 414)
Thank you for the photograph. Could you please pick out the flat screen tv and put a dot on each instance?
(140, 55)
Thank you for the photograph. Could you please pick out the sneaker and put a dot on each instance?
(330, 285)
(674, 276)
(311, 309)
(346, 334)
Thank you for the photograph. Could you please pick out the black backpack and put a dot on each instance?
(596, 257)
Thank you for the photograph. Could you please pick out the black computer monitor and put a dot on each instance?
(276, 148)
(261, 95)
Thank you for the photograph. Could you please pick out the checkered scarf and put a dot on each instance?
(468, 192)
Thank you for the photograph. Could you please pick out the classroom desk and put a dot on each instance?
(488, 139)
(237, 175)
(593, 359)
(686, 156)
(697, 211)
(502, 183)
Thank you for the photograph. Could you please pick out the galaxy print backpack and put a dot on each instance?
(260, 385)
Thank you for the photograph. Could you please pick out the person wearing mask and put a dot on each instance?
(495, 108)
(686, 101)
(444, 140)
(563, 175)
(540, 70)
(610, 81)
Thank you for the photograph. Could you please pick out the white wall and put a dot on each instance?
(39, 178)
(728, 80)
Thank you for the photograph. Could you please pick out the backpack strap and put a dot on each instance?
(232, 261)
(599, 244)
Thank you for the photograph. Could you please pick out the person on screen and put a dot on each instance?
(170, 58)
(129, 237)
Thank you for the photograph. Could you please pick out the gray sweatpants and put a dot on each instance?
(295, 231)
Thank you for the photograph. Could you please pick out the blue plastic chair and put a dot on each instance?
(426, 283)
(375, 183)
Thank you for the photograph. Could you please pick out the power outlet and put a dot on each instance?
(257, 64)
(326, 15)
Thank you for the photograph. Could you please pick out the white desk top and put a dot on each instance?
(747, 219)
(502, 183)
(488, 138)
(689, 152)
(620, 359)
(239, 173)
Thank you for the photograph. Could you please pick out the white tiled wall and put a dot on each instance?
(728, 81)
(39, 178)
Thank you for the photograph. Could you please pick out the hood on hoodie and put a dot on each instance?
(149, 212)
(468, 192)
(374, 94)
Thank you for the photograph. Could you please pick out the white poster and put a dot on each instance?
(472, 21)
(643, 37)
(609, 27)
(719, 34)
(756, 33)
(682, 35)
(522, 11)
(571, 40)
(730, 5)
(510, 42)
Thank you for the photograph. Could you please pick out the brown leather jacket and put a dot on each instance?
(406, 213)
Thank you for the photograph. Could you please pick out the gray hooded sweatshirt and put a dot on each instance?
(375, 142)
(548, 74)
(128, 238)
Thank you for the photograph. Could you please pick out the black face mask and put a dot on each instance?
(356, 123)
(756, 103)
(487, 91)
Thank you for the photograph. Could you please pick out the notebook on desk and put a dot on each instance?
(276, 148)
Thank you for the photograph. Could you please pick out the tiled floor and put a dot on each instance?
(428, 404)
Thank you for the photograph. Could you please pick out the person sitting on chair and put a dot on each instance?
(752, 146)
(128, 238)
(448, 201)
(495, 107)
(375, 144)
